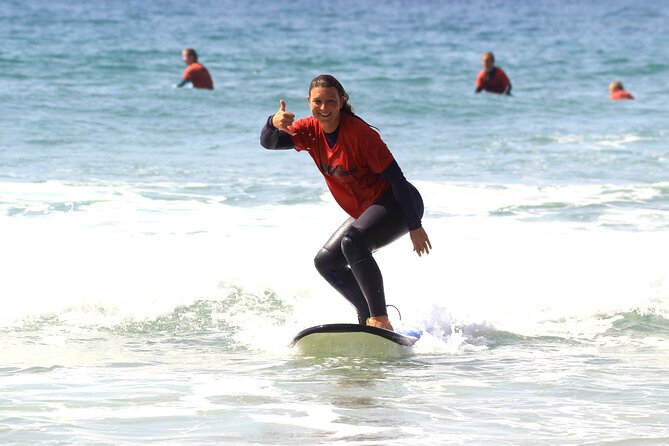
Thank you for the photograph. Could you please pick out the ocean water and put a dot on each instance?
(156, 262)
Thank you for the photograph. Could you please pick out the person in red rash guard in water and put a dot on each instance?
(491, 78)
(617, 91)
(195, 73)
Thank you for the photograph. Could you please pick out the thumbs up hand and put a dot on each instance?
(282, 119)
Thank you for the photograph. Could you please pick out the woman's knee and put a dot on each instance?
(326, 262)
(353, 246)
(320, 261)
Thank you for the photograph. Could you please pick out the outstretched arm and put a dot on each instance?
(183, 82)
(274, 139)
(276, 134)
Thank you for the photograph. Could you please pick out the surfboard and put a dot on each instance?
(354, 340)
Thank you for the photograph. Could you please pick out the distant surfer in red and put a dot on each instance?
(366, 182)
(195, 73)
(492, 78)
(618, 93)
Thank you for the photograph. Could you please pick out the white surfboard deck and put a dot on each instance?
(353, 340)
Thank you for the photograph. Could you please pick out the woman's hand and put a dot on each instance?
(283, 119)
(421, 243)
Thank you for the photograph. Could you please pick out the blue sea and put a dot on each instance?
(155, 261)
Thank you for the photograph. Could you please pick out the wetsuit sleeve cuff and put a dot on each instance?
(274, 139)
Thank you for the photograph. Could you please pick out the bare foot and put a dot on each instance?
(380, 322)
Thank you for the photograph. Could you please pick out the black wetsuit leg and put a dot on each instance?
(346, 261)
(332, 265)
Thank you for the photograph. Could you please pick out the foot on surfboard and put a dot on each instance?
(380, 322)
(362, 318)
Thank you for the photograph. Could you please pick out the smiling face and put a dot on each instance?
(326, 104)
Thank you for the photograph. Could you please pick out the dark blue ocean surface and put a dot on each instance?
(87, 88)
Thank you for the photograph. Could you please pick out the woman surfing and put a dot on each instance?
(366, 182)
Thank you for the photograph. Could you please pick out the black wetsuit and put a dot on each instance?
(345, 260)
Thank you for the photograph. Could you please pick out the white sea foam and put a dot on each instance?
(603, 141)
(123, 256)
